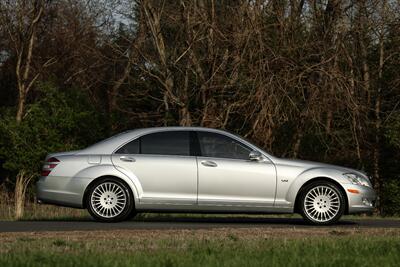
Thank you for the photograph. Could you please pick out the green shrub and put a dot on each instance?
(391, 197)
(57, 121)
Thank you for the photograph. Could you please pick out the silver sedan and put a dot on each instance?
(191, 169)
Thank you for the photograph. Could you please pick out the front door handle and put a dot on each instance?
(127, 158)
(209, 163)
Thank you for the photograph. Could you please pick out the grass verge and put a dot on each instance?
(222, 247)
(38, 212)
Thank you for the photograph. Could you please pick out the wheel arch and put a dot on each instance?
(321, 178)
(119, 179)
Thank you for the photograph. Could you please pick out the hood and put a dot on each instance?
(312, 164)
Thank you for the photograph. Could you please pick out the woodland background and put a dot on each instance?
(312, 79)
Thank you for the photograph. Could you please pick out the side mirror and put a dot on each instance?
(255, 156)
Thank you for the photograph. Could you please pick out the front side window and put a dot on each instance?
(220, 146)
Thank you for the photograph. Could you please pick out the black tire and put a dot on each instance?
(123, 212)
(335, 209)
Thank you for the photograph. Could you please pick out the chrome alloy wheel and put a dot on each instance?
(321, 203)
(108, 199)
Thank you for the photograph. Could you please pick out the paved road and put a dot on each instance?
(183, 223)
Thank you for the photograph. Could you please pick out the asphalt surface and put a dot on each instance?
(184, 223)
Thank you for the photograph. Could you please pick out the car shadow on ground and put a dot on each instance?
(234, 220)
(208, 219)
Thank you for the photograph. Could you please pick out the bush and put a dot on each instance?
(390, 166)
(58, 121)
(391, 197)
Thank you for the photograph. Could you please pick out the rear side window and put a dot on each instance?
(162, 143)
(215, 145)
(166, 143)
(132, 147)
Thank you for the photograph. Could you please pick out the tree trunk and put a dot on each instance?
(378, 122)
(21, 107)
(24, 59)
(21, 184)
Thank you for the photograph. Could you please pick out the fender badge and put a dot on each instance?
(284, 180)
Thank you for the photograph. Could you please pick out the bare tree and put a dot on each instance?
(21, 20)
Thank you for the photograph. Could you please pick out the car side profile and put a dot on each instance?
(194, 169)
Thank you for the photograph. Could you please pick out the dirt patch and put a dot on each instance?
(222, 233)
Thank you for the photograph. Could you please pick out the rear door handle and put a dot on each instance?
(209, 163)
(127, 158)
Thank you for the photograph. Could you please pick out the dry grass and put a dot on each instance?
(34, 211)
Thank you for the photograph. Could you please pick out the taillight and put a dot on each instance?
(50, 164)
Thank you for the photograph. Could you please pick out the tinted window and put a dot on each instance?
(220, 146)
(166, 143)
(130, 148)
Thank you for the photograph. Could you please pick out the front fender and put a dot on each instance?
(307, 175)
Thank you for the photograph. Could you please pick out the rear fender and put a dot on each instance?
(98, 171)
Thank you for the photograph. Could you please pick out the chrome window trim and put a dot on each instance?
(224, 133)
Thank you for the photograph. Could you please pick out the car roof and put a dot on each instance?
(109, 145)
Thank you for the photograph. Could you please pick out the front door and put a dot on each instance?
(228, 178)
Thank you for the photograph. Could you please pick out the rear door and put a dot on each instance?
(228, 178)
(163, 164)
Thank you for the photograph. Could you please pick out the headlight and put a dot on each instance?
(358, 179)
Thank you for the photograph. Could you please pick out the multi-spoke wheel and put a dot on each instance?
(322, 203)
(109, 200)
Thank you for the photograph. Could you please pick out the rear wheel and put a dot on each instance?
(110, 200)
(322, 203)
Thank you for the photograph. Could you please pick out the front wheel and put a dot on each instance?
(110, 200)
(322, 203)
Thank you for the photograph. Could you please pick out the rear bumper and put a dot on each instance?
(63, 191)
(363, 201)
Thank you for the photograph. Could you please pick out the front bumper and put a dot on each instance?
(63, 191)
(363, 201)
